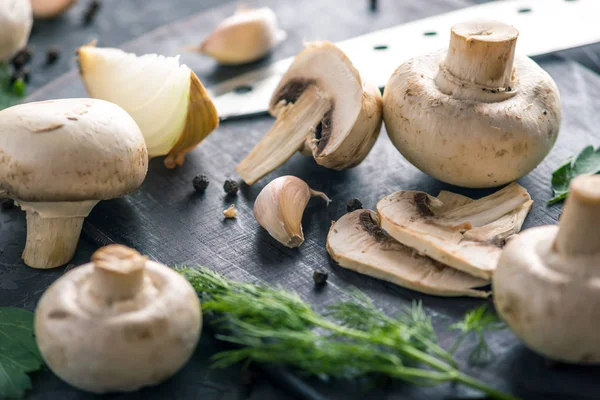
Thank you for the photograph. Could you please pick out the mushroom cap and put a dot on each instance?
(356, 242)
(471, 143)
(550, 301)
(16, 20)
(70, 150)
(50, 8)
(326, 66)
(121, 346)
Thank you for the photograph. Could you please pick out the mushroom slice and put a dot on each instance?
(166, 100)
(357, 242)
(467, 237)
(322, 108)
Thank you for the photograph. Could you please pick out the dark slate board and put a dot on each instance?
(168, 221)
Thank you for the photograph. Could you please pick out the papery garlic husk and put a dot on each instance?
(279, 208)
(50, 8)
(15, 25)
(167, 100)
(324, 109)
(246, 36)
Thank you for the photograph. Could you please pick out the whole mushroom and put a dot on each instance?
(547, 283)
(119, 323)
(475, 115)
(15, 25)
(58, 159)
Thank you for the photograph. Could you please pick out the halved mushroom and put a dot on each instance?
(468, 237)
(323, 108)
(357, 242)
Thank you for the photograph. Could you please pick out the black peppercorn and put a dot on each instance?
(200, 183)
(7, 203)
(320, 277)
(22, 58)
(230, 187)
(354, 205)
(52, 55)
(91, 12)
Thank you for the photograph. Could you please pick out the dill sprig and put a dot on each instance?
(351, 339)
(477, 321)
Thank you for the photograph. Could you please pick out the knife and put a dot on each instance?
(545, 26)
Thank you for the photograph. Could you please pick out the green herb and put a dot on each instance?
(353, 338)
(477, 321)
(10, 93)
(18, 352)
(586, 162)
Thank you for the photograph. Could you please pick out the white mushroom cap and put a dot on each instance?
(547, 283)
(476, 115)
(118, 323)
(15, 25)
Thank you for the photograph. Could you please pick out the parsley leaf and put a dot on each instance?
(586, 162)
(19, 353)
(10, 94)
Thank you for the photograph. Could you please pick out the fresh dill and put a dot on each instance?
(351, 339)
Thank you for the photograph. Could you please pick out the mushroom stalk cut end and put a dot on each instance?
(118, 272)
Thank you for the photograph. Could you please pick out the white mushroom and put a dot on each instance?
(547, 284)
(15, 25)
(166, 100)
(468, 237)
(50, 8)
(57, 160)
(322, 108)
(119, 323)
(357, 242)
(476, 115)
(246, 36)
(279, 208)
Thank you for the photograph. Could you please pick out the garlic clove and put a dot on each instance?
(279, 208)
(246, 36)
(15, 22)
(166, 99)
(50, 8)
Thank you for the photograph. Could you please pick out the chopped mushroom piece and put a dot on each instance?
(475, 115)
(119, 323)
(467, 237)
(357, 242)
(323, 109)
(60, 158)
(547, 284)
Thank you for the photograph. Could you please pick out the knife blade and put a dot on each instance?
(545, 26)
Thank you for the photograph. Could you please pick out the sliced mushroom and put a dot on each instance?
(357, 242)
(467, 237)
(322, 108)
(475, 115)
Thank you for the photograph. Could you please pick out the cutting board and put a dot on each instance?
(168, 221)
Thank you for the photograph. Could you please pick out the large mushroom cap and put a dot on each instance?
(357, 242)
(70, 150)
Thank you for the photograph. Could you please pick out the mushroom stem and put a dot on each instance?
(578, 232)
(118, 273)
(51, 242)
(294, 123)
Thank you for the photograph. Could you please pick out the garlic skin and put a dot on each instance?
(166, 99)
(50, 8)
(279, 208)
(246, 36)
(15, 25)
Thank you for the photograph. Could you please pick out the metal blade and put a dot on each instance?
(545, 26)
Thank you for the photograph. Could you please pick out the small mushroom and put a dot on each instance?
(119, 323)
(324, 109)
(279, 208)
(467, 237)
(50, 8)
(246, 36)
(476, 115)
(57, 160)
(357, 242)
(15, 25)
(547, 284)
